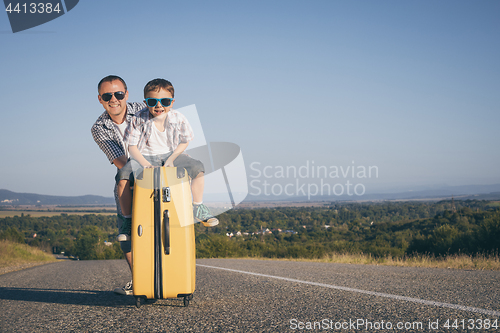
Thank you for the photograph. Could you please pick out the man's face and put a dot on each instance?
(115, 108)
(159, 109)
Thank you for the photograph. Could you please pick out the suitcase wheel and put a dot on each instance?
(186, 300)
(138, 302)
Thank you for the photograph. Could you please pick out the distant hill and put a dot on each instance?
(8, 198)
(477, 192)
(464, 192)
(488, 196)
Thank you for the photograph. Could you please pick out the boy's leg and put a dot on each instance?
(200, 211)
(197, 187)
(196, 171)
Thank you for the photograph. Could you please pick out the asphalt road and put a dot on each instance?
(253, 296)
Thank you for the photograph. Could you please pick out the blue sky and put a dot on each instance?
(409, 87)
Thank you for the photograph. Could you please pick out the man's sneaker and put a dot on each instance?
(125, 290)
(125, 229)
(202, 214)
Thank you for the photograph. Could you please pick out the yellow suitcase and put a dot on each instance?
(163, 244)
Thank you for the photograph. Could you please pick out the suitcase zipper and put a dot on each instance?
(158, 273)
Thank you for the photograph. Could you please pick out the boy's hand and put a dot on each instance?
(169, 162)
(136, 154)
(179, 150)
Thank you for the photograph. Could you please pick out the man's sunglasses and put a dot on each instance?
(108, 96)
(151, 102)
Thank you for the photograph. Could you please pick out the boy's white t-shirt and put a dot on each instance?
(157, 143)
(121, 128)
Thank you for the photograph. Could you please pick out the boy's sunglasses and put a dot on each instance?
(108, 96)
(151, 102)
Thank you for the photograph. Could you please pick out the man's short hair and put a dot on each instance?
(111, 78)
(157, 84)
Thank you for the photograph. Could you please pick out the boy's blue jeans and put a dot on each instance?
(192, 166)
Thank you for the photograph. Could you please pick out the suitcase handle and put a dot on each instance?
(166, 231)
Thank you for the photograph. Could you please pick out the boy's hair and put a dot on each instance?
(111, 78)
(157, 84)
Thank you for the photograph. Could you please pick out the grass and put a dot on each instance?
(459, 261)
(462, 261)
(15, 254)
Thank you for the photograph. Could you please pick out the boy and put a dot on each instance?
(157, 136)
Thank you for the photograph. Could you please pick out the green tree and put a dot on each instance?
(87, 243)
(12, 234)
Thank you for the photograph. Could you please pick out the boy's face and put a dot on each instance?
(159, 109)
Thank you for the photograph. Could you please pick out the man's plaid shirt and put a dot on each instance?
(140, 127)
(106, 134)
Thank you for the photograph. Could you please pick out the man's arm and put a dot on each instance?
(179, 150)
(120, 162)
(107, 144)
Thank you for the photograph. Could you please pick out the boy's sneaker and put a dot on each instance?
(202, 214)
(125, 229)
(125, 290)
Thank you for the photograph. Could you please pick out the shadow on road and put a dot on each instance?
(66, 296)
(77, 297)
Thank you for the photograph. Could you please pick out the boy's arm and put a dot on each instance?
(136, 155)
(179, 150)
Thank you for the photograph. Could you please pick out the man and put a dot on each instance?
(108, 131)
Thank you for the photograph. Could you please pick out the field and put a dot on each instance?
(37, 211)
